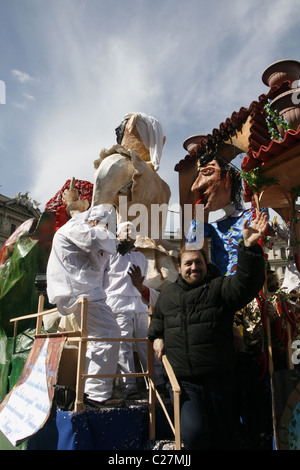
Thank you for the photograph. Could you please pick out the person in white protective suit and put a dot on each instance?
(132, 314)
(75, 270)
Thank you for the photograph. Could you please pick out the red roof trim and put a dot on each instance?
(259, 139)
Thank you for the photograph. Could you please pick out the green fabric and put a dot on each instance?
(6, 349)
(13, 358)
(18, 294)
(19, 297)
(24, 342)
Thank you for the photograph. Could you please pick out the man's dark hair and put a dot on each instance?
(184, 250)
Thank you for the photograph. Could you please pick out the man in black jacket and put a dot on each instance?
(192, 324)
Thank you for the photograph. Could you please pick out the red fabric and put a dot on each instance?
(85, 191)
(61, 217)
(146, 294)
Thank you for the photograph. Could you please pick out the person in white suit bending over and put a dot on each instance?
(75, 269)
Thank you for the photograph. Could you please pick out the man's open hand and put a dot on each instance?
(256, 229)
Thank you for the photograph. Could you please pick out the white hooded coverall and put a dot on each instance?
(131, 312)
(75, 270)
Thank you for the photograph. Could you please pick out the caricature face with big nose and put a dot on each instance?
(211, 190)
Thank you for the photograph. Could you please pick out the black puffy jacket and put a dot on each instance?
(196, 323)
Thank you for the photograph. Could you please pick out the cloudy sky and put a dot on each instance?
(73, 68)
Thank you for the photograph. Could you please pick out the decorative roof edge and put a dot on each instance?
(231, 125)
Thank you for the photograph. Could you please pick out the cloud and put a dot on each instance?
(80, 122)
(23, 77)
(24, 101)
(189, 64)
(21, 101)
(102, 83)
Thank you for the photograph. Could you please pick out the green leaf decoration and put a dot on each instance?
(273, 120)
(256, 180)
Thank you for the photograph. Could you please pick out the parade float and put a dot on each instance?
(271, 179)
(267, 137)
(46, 351)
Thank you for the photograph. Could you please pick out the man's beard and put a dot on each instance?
(124, 246)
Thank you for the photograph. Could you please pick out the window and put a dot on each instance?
(283, 252)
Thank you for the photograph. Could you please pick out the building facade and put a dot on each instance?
(277, 257)
(13, 212)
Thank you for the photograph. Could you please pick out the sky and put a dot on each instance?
(72, 69)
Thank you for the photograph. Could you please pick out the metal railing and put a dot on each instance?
(82, 338)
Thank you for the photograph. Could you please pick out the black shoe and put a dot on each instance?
(109, 403)
(133, 395)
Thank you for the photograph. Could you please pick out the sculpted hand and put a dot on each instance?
(255, 230)
(159, 346)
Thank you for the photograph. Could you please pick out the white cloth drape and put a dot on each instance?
(151, 133)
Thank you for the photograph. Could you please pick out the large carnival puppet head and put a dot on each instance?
(217, 183)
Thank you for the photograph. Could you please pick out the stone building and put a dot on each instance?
(13, 212)
(277, 257)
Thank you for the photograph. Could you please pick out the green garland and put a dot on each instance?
(273, 120)
(256, 180)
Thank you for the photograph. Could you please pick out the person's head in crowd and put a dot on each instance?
(126, 233)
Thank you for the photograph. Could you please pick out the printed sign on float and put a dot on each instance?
(27, 406)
